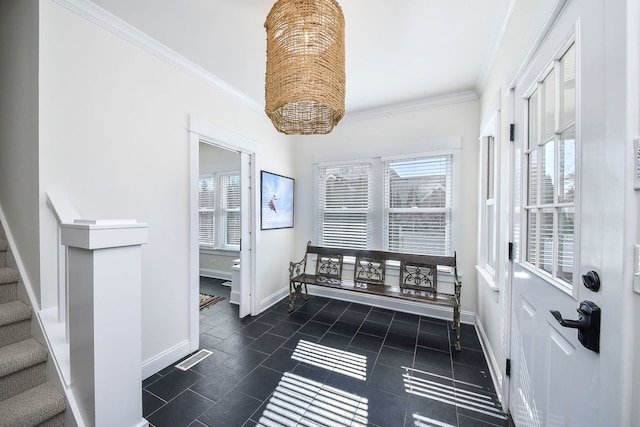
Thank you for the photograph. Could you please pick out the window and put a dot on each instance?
(230, 206)
(396, 204)
(220, 210)
(344, 205)
(551, 160)
(417, 205)
(488, 224)
(206, 187)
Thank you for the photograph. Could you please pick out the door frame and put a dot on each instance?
(202, 131)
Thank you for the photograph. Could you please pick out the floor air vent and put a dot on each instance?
(190, 362)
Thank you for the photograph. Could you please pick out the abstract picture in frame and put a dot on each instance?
(276, 202)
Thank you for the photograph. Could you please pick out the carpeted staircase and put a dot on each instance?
(26, 398)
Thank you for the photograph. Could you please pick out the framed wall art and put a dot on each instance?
(276, 202)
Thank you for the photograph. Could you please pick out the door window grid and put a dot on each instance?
(551, 158)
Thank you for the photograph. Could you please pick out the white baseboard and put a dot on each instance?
(234, 297)
(215, 274)
(494, 365)
(164, 359)
(273, 299)
(404, 306)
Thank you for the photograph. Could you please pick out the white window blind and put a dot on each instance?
(418, 199)
(206, 187)
(230, 185)
(344, 205)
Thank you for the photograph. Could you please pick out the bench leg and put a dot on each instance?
(295, 290)
(456, 326)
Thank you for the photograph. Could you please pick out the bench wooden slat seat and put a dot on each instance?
(417, 279)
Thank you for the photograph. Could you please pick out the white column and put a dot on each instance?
(105, 330)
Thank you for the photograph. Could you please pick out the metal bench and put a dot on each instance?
(418, 276)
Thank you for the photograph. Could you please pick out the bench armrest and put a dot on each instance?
(297, 268)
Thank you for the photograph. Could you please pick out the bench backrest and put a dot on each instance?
(417, 272)
(329, 266)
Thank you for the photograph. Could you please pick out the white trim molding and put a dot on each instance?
(165, 358)
(492, 362)
(120, 28)
(407, 107)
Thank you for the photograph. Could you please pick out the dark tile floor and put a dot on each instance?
(328, 363)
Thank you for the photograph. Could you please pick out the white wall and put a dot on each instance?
(455, 120)
(19, 130)
(114, 136)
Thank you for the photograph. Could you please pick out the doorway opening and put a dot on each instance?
(222, 218)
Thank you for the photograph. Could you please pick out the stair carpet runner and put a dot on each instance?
(26, 398)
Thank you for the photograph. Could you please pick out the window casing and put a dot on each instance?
(219, 210)
(396, 204)
(550, 159)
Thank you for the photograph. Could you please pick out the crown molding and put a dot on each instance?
(406, 107)
(117, 26)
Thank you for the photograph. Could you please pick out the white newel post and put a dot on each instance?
(105, 278)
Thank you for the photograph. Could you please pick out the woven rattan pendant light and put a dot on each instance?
(305, 79)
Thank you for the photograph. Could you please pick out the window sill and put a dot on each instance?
(488, 278)
(218, 251)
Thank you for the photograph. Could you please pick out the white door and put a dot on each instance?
(246, 177)
(560, 230)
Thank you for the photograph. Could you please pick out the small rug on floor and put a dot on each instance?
(209, 300)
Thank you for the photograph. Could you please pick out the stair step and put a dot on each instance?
(3, 253)
(22, 366)
(21, 355)
(33, 407)
(8, 275)
(15, 320)
(8, 285)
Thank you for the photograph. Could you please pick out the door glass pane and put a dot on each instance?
(547, 173)
(532, 224)
(533, 178)
(549, 106)
(566, 218)
(568, 86)
(567, 167)
(545, 258)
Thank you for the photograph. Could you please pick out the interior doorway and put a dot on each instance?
(219, 216)
(226, 160)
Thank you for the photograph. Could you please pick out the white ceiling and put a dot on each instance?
(397, 52)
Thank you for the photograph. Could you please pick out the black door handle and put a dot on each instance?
(588, 324)
(564, 322)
